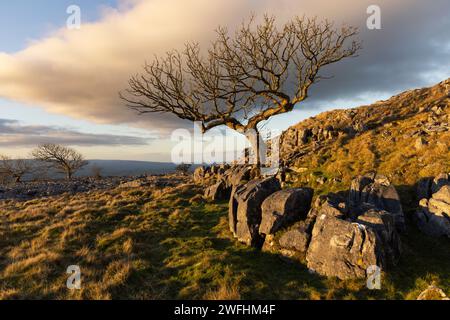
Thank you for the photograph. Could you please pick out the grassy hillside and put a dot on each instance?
(405, 138)
(167, 244)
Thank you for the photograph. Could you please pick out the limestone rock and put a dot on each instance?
(296, 239)
(433, 215)
(424, 188)
(377, 190)
(284, 207)
(232, 211)
(239, 175)
(382, 222)
(343, 249)
(219, 191)
(441, 180)
(330, 205)
(245, 209)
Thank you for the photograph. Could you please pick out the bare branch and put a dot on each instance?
(261, 71)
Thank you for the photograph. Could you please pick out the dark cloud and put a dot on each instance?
(13, 134)
(411, 50)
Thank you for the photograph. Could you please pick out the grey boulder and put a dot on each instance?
(343, 249)
(284, 207)
(218, 191)
(433, 215)
(382, 222)
(377, 191)
(245, 209)
(296, 240)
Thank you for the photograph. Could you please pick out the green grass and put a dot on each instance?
(155, 245)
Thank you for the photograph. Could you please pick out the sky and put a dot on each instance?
(61, 85)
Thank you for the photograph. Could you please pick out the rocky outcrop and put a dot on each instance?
(338, 240)
(416, 122)
(433, 215)
(427, 186)
(245, 209)
(377, 191)
(284, 207)
(383, 224)
(331, 205)
(344, 244)
(218, 191)
(441, 180)
(238, 175)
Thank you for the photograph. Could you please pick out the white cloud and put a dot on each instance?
(80, 72)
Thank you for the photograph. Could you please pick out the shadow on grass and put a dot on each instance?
(198, 254)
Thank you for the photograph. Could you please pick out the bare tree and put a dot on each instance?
(65, 160)
(14, 169)
(243, 79)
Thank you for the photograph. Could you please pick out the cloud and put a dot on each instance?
(13, 134)
(80, 72)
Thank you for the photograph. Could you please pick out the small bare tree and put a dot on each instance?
(243, 79)
(14, 169)
(63, 159)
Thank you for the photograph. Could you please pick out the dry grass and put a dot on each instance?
(155, 244)
(388, 144)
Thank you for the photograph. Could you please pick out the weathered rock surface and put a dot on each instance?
(343, 249)
(218, 191)
(383, 224)
(296, 240)
(284, 207)
(245, 209)
(441, 180)
(331, 205)
(427, 186)
(377, 190)
(238, 175)
(433, 215)
(344, 244)
(424, 188)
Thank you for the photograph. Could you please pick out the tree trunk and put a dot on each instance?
(254, 137)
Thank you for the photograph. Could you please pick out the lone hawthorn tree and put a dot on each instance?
(243, 79)
(63, 159)
(14, 169)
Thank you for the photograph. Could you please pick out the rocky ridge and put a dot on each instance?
(405, 138)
